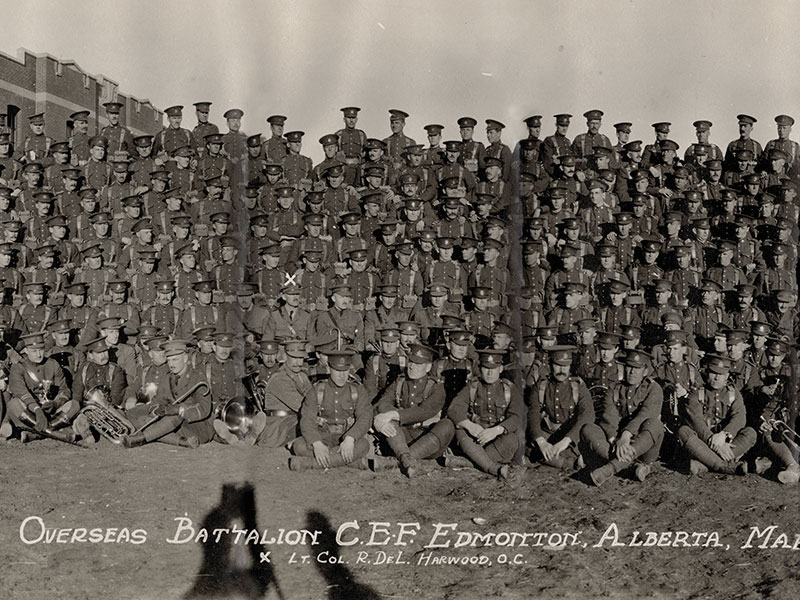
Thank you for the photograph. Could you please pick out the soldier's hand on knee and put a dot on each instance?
(346, 449)
(322, 454)
(726, 452)
(489, 434)
(716, 441)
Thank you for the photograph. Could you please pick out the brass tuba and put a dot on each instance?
(103, 417)
(238, 413)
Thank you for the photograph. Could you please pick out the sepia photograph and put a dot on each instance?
(392, 300)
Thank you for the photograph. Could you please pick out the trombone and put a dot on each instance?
(789, 435)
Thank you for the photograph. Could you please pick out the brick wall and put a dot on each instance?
(33, 83)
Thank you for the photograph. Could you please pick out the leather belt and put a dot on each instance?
(277, 413)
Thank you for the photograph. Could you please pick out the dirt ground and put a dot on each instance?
(148, 488)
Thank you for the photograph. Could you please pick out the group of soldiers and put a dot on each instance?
(579, 303)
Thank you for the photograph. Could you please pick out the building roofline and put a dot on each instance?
(100, 78)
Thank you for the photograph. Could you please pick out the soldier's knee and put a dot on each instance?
(591, 431)
(748, 435)
(444, 430)
(300, 448)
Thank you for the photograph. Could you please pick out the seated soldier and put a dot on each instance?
(776, 437)
(715, 435)
(630, 427)
(334, 419)
(39, 399)
(181, 417)
(283, 397)
(408, 414)
(560, 406)
(487, 414)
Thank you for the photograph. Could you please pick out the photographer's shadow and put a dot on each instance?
(341, 583)
(233, 570)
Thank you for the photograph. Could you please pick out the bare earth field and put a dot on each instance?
(149, 488)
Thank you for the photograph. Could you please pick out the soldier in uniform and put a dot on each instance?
(98, 370)
(40, 399)
(203, 128)
(185, 410)
(334, 419)
(386, 315)
(36, 145)
(34, 311)
(234, 140)
(163, 313)
(340, 321)
(97, 171)
(275, 148)
(556, 146)
(79, 138)
(398, 141)
(408, 413)
(560, 406)
(715, 435)
(487, 414)
(782, 142)
(172, 137)
(351, 140)
(63, 349)
(290, 320)
(584, 144)
(283, 397)
(744, 142)
(630, 429)
(119, 137)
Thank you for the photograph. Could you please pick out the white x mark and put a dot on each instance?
(290, 279)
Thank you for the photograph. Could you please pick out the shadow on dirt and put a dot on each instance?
(229, 569)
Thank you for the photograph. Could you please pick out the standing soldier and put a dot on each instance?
(585, 144)
(119, 137)
(143, 163)
(496, 149)
(203, 128)
(487, 414)
(556, 146)
(172, 137)
(334, 420)
(233, 142)
(560, 406)
(630, 431)
(97, 171)
(297, 168)
(398, 141)
(782, 142)
(408, 413)
(744, 142)
(351, 140)
(36, 146)
(275, 148)
(79, 139)
(471, 151)
(715, 435)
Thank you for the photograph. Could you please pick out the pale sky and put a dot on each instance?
(438, 60)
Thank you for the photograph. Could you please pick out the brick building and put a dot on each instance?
(34, 83)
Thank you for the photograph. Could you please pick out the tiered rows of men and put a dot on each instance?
(578, 303)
